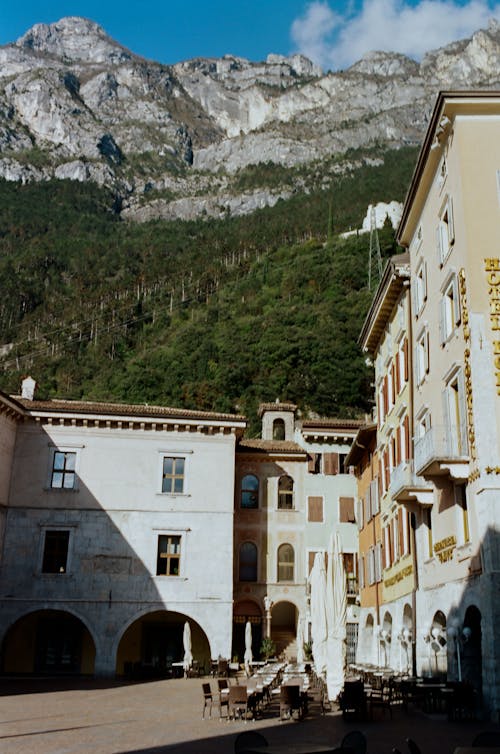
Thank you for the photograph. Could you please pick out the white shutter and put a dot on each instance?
(463, 414)
(442, 320)
(456, 301)
(451, 222)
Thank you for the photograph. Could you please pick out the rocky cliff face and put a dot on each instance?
(173, 140)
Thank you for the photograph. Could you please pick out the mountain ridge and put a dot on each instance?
(173, 141)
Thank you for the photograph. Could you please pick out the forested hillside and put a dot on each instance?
(209, 314)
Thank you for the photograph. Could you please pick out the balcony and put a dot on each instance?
(443, 451)
(406, 487)
(352, 585)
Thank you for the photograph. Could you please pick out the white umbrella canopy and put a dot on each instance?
(317, 581)
(336, 601)
(248, 658)
(300, 642)
(186, 640)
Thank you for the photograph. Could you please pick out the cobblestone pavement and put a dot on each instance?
(49, 717)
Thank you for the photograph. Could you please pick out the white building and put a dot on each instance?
(118, 528)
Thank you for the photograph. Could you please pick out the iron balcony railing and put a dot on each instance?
(441, 443)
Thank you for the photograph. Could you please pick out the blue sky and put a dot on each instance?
(334, 33)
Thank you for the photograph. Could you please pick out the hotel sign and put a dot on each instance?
(492, 270)
(444, 548)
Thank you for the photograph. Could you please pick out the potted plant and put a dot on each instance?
(267, 648)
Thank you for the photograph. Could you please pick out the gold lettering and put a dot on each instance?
(497, 362)
(496, 346)
(494, 293)
(495, 321)
(493, 278)
(491, 264)
(495, 307)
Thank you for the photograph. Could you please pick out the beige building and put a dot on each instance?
(450, 226)
(392, 496)
(291, 493)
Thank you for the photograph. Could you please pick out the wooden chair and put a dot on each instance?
(385, 698)
(237, 702)
(290, 702)
(207, 699)
(222, 668)
(213, 700)
(352, 699)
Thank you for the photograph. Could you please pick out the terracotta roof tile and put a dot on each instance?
(91, 407)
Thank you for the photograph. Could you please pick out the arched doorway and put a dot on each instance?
(472, 661)
(438, 660)
(153, 643)
(385, 640)
(246, 610)
(406, 654)
(284, 628)
(48, 642)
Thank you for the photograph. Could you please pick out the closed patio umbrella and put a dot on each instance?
(300, 642)
(186, 640)
(248, 658)
(336, 611)
(317, 581)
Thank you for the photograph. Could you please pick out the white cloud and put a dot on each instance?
(336, 41)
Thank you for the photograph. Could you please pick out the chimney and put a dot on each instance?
(28, 386)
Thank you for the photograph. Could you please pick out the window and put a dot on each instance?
(285, 563)
(285, 493)
(374, 496)
(450, 309)
(314, 464)
(346, 509)
(315, 509)
(422, 356)
(169, 555)
(428, 524)
(331, 463)
(370, 562)
(55, 551)
(445, 231)
(278, 429)
(454, 415)
(378, 561)
(173, 475)
(248, 562)
(249, 491)
(362, 572)
(63, 475)
(420, 288)
(463, 524)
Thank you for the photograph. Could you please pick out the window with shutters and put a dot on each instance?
(314, 463)
(463, 517)
(362, 572)
(315, 509)
(374, 496)
(346, 510)
(450, 308)
(359, 513)
(331, 463)
(420, 287)
(368, 507)
(421, 356)
(370, 559)
(285, 493)
(285, 563)
(454, 408)
(378, 562)
(445, 231)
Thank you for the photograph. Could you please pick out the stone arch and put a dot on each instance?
(438, 662)
(49, 641)
(385, 638)
(246, 610)
(472, 659)
(284, 617)
(151, 644)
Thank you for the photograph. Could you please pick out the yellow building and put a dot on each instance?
(450, 226)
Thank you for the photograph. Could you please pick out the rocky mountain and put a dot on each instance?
(179, 141)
